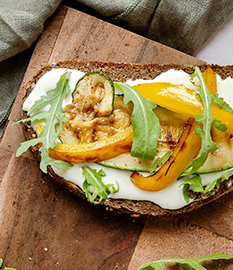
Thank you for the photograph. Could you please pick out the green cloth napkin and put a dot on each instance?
(11, 75)
(182, 24)
(21, 22)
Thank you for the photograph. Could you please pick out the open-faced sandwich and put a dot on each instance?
(141, 139)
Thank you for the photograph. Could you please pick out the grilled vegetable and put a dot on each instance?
(181, 99)
(96, 151)
(95, 88)
(187, 148)
(172, 125)
(86, 138)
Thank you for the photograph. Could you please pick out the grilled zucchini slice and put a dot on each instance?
(99, 88)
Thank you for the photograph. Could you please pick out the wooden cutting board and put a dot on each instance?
(43, 226)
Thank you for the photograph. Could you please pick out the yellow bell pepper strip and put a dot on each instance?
(39, 129)
(96, 151)
(174, 97)
(181, 99)
(211, 81)
(187, 148)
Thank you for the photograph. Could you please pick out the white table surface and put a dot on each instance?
(219, 48)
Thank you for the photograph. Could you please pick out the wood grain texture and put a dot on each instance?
(43, 226)
(176, 238)
(216, 217)
(87, 38)
(5, 157)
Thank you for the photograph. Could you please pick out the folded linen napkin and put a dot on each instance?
(21, 22)
(182, 24)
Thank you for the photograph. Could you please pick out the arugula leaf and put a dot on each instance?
(54, 118)
(146, 126)
(93, 180)
(185, 191)
(159, 161)
(221, 104)
(196, 181)
(207, 120)
(185, 263)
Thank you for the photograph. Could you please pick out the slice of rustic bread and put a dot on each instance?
(122, 72)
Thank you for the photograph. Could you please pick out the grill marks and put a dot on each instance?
(86, 127)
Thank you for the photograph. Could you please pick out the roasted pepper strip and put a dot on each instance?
(187, 148)
(39, 129)
(96, 151)
(211, 80)
(181, 99)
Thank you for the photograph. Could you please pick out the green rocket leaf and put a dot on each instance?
(93, 186)
(207, 120)
(53, 118)
(146, 126)
(185, 263)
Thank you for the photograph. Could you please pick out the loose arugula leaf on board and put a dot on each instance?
(150, 268)
(54, 119)
(94, 187)
(207, 120)
(185, 263)
(146, 126)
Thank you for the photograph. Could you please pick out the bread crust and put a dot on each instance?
(122, 72)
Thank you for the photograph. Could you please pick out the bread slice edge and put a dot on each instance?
(122, 72)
